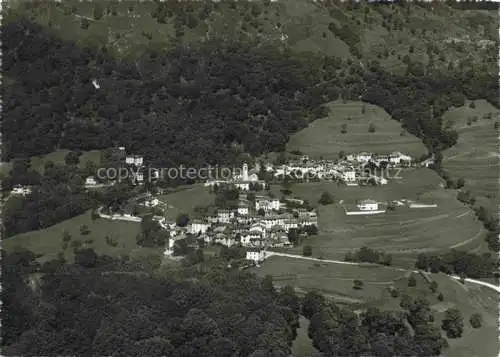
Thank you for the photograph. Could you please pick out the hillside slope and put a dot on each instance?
(436, 35)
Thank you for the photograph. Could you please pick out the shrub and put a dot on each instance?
(476, 320)
(472, 105)
(440, 297)
(343, 129)
(412, 281)
(307, 251)
(371, 128)
(358, 284)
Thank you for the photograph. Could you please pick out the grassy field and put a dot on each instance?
(48, 241)
(405, 232)
(336, 281)
(38, 162)
(186, 199)
(475, 157)
(323, 137)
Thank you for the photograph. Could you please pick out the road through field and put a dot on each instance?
(294, 256)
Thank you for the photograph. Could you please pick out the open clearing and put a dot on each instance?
(302, 345)
(57, 157)
(475, 157)
(185, 199)
(323, 136)
(405, 232)
(336, 281)
(48, 241)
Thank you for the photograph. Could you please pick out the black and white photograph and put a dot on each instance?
(249, 178)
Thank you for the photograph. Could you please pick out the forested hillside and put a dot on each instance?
(101, 307)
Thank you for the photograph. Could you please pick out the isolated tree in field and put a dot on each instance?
(341, 154)
(307, 251)
(325, 199)
(72, 158)
(406, 302)
(440, 297)
(363, 109)
(434, 286)
(476, 320)
(97, 12)
(412, 281)
(358, 284)
(460, 182)
(84, 23)
(453, 323)
(472, 105)
(84, 229)
(293, 236)
(394, 292)
(343, 129)
(496, 125)
(371, 128)
(66, 236)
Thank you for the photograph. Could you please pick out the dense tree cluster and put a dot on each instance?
(338, 331)
(189, 106)
(57, 194)
(368, 255)
(460, 263)
(90, 309)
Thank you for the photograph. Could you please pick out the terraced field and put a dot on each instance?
(475, 157)
(336, 282)
(324, 138)
(405, 232)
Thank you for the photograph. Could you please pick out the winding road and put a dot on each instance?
(294, 256)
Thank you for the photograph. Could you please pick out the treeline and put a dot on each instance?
(189, 106)
(338, 331)
(367, 255)
(97, 307)
(459, 263)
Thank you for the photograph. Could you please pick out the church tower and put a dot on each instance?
(244, 176)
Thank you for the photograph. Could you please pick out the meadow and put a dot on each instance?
(475, 157)
(185, 199)
(336, 282)
(404, 232)
(48, 242)
(323, 137)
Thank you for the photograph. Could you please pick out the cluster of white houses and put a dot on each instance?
(244, 226)
(350, 169)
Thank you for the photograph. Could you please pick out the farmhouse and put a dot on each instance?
(267, 205)
(198, 226)
(364, 157)
(21, 190)
(134, 160)
(90, 181)
(255, 255)
(367, 205)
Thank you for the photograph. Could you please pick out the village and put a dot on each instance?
(258, 220)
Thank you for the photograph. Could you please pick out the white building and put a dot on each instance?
(267, 204)
(368, 205)
(349, 176)
(90, 181)
(152, 203)
(243, 209)
(255, 255)
(364, 157)
(244, 186)
(21, 190)
(396, 158)
(225, 216)
(134, 160)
